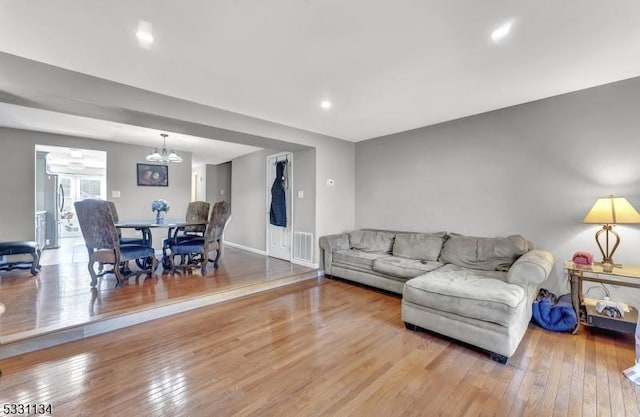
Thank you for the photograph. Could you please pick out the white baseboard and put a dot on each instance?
(303, 263)
(247, 248)
(261, 252)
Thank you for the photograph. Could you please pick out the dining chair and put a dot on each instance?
(102, 241)
(204, 246)
(197, 212)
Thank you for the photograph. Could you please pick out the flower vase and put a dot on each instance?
(159, 217)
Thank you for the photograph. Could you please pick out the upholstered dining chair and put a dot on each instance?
(204, 246)
(197, 212)
(102, 241)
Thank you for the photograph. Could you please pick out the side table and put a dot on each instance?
(624, 276)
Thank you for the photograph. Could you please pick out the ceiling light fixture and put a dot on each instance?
(163, 156)
(502, 31)
(325, 104)
(144, 34)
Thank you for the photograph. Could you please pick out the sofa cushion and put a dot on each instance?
(423, 246)
(357, 258)
(481, 295)
(484, 253)
(403, 267)
(371, 241)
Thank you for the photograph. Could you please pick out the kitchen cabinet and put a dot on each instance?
(41, 228)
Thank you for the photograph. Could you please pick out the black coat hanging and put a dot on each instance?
(278, 213)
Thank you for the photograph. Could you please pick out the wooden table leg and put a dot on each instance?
(576, 302)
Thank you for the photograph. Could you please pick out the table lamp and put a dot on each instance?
(609, 211)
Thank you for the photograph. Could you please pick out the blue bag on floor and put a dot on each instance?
(554, 314)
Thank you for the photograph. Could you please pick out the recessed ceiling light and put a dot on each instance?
(144, 34)
(325, 104)
(502, 31)
(144, 37)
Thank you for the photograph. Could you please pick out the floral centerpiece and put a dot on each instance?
(160, 206)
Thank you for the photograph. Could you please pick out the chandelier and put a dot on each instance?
(163, 156)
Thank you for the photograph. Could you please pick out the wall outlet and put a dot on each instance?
(300, 194)
(115, 194)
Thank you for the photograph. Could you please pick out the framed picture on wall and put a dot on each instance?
(153, 175)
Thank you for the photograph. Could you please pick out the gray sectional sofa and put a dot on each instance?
(473, 289)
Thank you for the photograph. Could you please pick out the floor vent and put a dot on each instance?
(303, 246)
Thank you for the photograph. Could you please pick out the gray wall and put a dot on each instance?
(534, 169)
(248, 204)
(218, 178)
(17, 170)
(304, 179)
(335, 204)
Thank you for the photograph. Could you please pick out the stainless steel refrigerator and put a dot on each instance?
(53, 205)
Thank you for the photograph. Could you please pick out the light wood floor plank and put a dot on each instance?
(603, 396)
(630, 392)
(614, 376)
(589, 398)
(553, 387)
(577, 378)
(563, 395)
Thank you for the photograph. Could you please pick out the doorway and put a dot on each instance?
(279, 237)
(64, 176)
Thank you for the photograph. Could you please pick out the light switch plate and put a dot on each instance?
(300, 194)
(115, 194)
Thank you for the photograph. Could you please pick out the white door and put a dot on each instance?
(278, 237)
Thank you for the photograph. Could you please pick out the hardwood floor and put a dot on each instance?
(319, 348)
(61, 296)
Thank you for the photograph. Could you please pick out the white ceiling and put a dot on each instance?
(387, 66)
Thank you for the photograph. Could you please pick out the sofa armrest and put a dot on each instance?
(532, 268)
(330, 244)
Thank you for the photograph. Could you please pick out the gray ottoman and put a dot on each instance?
(476, 307)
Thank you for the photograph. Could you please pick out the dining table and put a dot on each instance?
(145, 227)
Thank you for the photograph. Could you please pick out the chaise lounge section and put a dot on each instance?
(474, 289)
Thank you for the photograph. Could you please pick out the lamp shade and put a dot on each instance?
(612, 210)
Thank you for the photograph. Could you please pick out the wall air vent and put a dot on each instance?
(303, 246)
